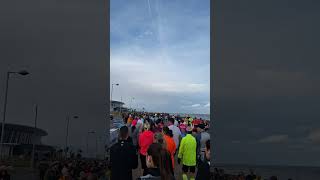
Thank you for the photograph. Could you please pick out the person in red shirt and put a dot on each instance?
(145, 140)
(196, 122)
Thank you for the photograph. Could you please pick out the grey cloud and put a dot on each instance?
(275, 139)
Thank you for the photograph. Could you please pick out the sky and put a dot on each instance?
(266, 89)
(160, 54)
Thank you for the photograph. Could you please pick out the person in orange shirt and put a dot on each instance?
(130, 119)
(171, 145)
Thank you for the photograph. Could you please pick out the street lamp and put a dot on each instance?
(67, 133)
(34, 135)
(92, 132)
(131, 102)
(22, 73)
(112, 92)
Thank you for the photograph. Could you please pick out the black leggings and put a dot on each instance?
(143, 164)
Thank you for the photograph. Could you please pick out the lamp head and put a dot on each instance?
(23, 72)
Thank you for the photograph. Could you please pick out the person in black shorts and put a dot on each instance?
(187, 169)
(187, 155)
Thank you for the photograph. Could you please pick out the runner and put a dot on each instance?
(187, 153)
(156, 161)
(176, 132)
(204, 137)
(171, 145)
(123, 157)
(145, 140)
(204, 165)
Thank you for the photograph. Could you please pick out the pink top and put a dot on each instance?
(134, 122)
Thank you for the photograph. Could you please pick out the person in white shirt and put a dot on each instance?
(176, 123)
(140, 123)
(176, 132)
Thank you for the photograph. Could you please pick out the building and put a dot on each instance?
(116, 106)
(19, 139)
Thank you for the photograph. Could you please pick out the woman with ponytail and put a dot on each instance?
(159, 138)
(158, 162)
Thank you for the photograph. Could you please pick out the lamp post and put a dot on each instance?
(121, 106)
(132, 98)
(34, 135)
(112, 93)
(67, 133)
(22, 73)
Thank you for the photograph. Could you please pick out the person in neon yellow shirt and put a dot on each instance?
(190, 120)
(188, 155)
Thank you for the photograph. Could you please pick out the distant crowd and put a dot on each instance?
(73, 169)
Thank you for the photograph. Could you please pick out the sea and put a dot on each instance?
(282, 172)
(202, 116)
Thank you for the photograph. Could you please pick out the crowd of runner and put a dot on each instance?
(158, 140)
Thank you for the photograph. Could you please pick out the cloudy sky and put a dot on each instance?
(160, 54)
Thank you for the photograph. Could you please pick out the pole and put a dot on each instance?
(121, 106)
(67, 134)
(87, 143)
(34, 135)
(131, 104)
(4, 115)
(111, 95)
(96, 145)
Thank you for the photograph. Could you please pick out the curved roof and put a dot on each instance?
(23, 128)
(117, 102)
